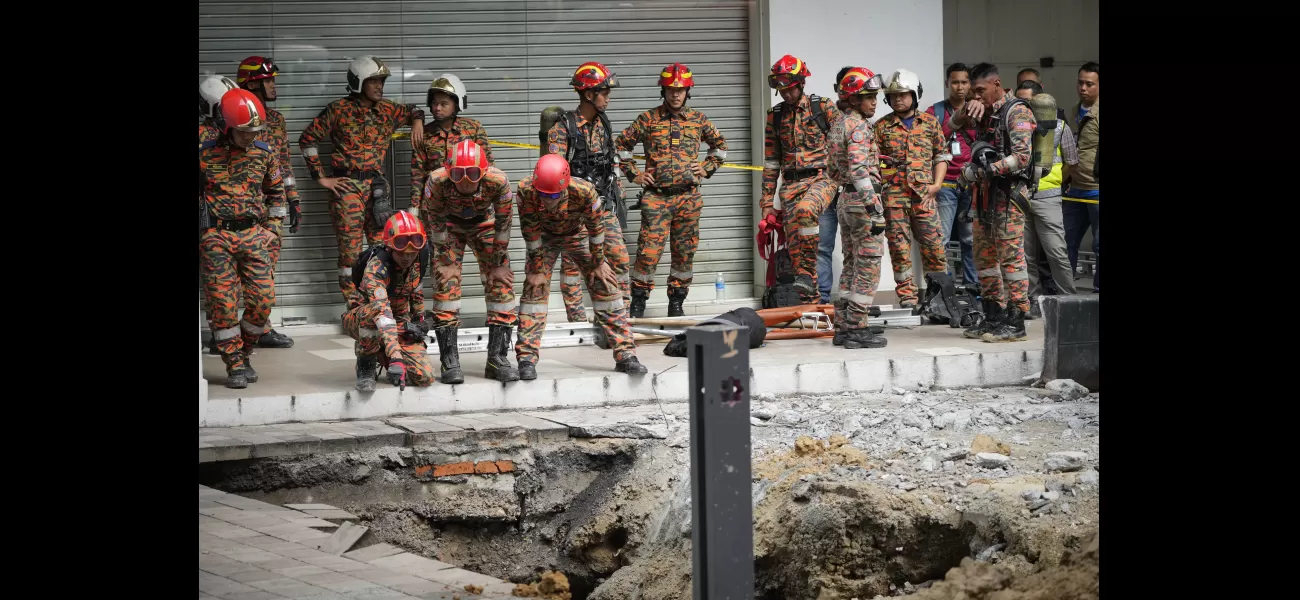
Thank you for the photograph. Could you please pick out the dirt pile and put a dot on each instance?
(553, 586)
(1077, 577)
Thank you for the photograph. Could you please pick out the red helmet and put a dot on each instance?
(593, 76)
(404, 232)
(676, 75)
(788, 72)
(254, 68)
(467, 161)
(241, 110)
(551, 175)
(860, 80)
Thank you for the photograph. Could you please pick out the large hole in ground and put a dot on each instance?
(834, 518)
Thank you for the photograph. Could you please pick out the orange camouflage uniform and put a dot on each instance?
(378, 313)
(908, 213)
(854, 163)
(548, 233)
(361, 138)
(242, 189)
(480, 220)
(431, 155)
(277, 137)
(806, 188)
(673, 203)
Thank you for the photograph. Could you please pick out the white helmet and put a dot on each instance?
(363, 68)
(211, 89)
(904, 81)
(448, 84)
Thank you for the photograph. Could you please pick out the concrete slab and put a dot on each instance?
(343, 539)
(298, 385)
(370, 553)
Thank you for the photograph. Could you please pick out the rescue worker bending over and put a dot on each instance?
(386, 311)
(554, 210)
(360, 128)
(240, 190)
(469, 202)
(1000, 173)
(671, 134)
(584, 138)
(570, 275)
(854, 163)
(257, 75)
(447, 99)
(916, 156)
(794, 150)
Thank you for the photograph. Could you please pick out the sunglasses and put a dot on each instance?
(459, 174)
(408, 241)
(550, 196)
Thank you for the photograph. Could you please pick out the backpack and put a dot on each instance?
(941, 113)
(818, 115)
(363, 259)
(947, 302)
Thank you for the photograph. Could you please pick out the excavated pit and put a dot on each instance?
(877, 494)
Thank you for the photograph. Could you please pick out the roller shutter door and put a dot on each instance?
(515, 59)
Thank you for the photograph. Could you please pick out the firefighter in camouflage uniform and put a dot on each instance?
(243, 204)
(360, 128)
(671, 134)
(447, 99)
(559, 213)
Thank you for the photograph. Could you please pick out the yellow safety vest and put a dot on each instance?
(1052, 180)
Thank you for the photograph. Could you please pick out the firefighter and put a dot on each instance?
(211, 89)
(554, 209)
(794, 150)
(854, 163)
(671, 134)
(584, 138)
(257, 74)
(386, 311)
(447, 99)
(243, 199)
(915, 152)
(1000, 172)
(360, 128)
(468, 202)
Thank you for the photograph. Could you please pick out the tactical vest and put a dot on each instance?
(1002, 141)
(598, 169)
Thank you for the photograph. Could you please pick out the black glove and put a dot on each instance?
(877, 227)
(397, 374)
(295, 216)
(413, 332)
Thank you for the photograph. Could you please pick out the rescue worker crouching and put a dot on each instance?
(913, 147)
(386, 311)
(794, 151)
(554, 210)
(854, 163)
(257, 75)
(671, 205)
(360, 128)
(468, 202)
(240, 188)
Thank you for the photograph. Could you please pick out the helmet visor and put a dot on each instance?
(548, 195)
(408, 241)
(459, 174)
(780, 81)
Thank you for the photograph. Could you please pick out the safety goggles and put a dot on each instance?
(550, 196)
(459, 174)
(408, 241)
(781, 81)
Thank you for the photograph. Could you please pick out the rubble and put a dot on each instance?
(1067, 389)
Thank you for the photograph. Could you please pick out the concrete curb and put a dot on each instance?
(985, 369)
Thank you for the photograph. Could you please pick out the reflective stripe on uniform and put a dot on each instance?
(415, 211)
(310, 151)
(501, 306)
(614, 304)
(1016, 276)
(772, 164)
(532, 244)
(453, 305)
(532, 308)
(226, 334)
(624, 155)
(385, 321)
(251, 328)
(994, 272)
(681, 274)
(438, 237)
(571, 280)
(345, 271)
(289, 181)
(367, 332)
(279, 211)
(646, 277)
(722, 154)
(902, 276)
(863, 299)
(599, 239)
(809, 230)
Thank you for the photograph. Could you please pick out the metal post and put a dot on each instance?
(722, 532)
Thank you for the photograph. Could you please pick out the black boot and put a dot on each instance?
(236, 380)
(212, 346)
(807, 289)
(639, 296)
(449, 354)
(274, 339)
(631, 366)
(1035, 309)
(841, 313)
(498, 366)
(367, 372)
(1012, 328)
(527, 370)
(248, 369)
(676, 297)
(863, 338)
(992, 317)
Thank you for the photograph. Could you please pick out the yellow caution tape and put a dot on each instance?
(403, 135)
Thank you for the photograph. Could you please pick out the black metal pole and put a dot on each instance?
(722, 532)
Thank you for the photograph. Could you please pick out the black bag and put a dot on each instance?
(741, 316)
(783, 293)
(363, 259)
(947, 302)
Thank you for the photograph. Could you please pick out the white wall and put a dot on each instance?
(882, 36)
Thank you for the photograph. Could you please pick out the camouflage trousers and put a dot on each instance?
(571, 289)
(1000, 256)
(609, 306)
(353, 224)
(663, 215)
(446, 292)
(361, 323)
(802, 203)
(860, 275)
(909, 217)
(233, 260)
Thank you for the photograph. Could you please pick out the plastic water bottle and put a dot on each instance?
(719, 289)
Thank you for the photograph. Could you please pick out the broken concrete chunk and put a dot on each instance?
(993, 460)
(986, 444)
(1064, 461)
(765, 413)
(1067, 389)
(929, 463)
(788, 417)
(954, 454)
(1089, 477)
(620, 430)
(801, 490)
